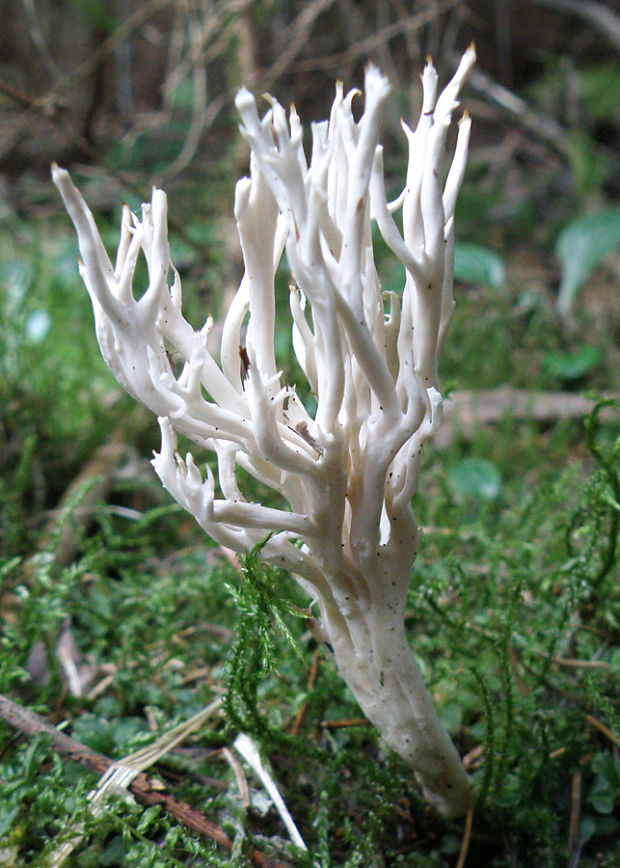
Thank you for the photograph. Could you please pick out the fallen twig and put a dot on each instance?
(604, 729)
(598, 15)
(466, 411)
(145, 791)
(469, 819)
(340, 724)
(575, 811)
(572, 662)
(311, 682)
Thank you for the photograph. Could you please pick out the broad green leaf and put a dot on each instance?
(476, 264)
(571, 366)
(587, 827)
(605, 765)
(475, 477)
(602, 796)
(580, 247)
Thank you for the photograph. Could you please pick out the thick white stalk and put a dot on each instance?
(384, 677)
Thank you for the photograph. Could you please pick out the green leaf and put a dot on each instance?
(602, 795)
(588, 827)
(589, 167)
(476, 264)
(580, 247)
(605, 765)
(94, 732)
(572, 366)
(601, 89)
(147, 818)
(7, 820)
(450, 845)
(475, 477)
(113, 853)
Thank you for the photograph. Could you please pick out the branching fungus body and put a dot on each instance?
(347, 471)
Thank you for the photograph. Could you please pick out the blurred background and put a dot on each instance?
(130, 94)
(143, 90)
(520, 509)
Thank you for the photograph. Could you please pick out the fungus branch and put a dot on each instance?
(347, 471)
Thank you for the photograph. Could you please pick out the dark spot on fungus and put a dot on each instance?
(245, 361)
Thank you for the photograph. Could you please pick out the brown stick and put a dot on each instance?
(469, 819)
(30, 724)
(311, 682)
(575, 810)
(604, 729)
(340, 724)
(465, 411)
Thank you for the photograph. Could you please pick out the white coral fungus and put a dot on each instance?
(345, 472)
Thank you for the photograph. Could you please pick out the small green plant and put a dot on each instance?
(261, 609)
(581, 246)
